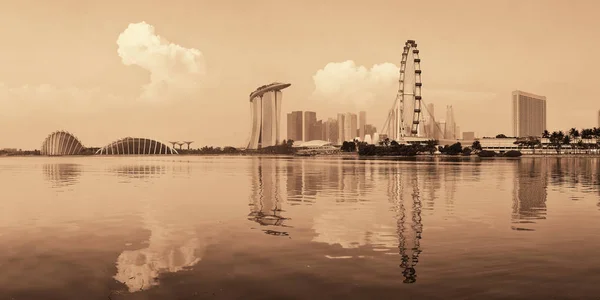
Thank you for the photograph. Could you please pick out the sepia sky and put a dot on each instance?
(182, 70)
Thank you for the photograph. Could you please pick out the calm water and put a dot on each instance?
(313, 228)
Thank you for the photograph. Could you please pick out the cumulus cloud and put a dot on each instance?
(345, 82)
(173, 68)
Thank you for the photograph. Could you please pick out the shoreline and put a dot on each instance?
(336, 155)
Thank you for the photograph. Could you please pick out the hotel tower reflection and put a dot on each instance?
(529, 196)
(265, 199)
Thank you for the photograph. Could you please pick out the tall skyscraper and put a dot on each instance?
(362, 122)
(529, 114)
(431, 122)
(265, 102)
(350, 126)
(450, 128)
(317, 132)
(331, 131)
(341, 121)
(354, 124)
(294, 126)
(441, 130)
(310, 121)
(370, 130)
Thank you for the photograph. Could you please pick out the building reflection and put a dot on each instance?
(265, 200)
(61, 175)
(367, 225)
(139, 171)
(529, 195)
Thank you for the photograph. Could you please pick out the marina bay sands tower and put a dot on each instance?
(265, 106)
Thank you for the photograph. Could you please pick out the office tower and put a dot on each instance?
(317, 131)
(431, 122)
(450, 128)
(350, 126)
(439, 134)
(529, 114)
(294, 126)
(265, 103)
(370, 130)
(290, 126)
(341, 128)
(310, 120)
(354, 124)
(362, 122)
(332, 131)
(468, 135)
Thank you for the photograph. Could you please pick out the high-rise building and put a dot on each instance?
(354, 124)
(450, 128)
(331, 131)
(370, 130)
(265, 102)
(529, 114)
(350, 126)
(294, 126)
(310, 122)
(362, 122)
(598, 118)
(441, 130)
(317, 132)
(341, 122)
(432, 129)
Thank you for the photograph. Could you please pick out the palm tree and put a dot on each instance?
(566, 140)
(546, 134)
(574, 133)
(557, 139)
(533, 142)
(581, 145)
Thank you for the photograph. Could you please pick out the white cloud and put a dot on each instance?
(173, 69)
(347, 83)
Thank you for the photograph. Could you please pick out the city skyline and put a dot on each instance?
(49, 81)
(306, 126)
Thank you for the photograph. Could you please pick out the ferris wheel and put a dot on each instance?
(405, 115)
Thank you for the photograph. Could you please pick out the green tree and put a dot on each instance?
(476, 146)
